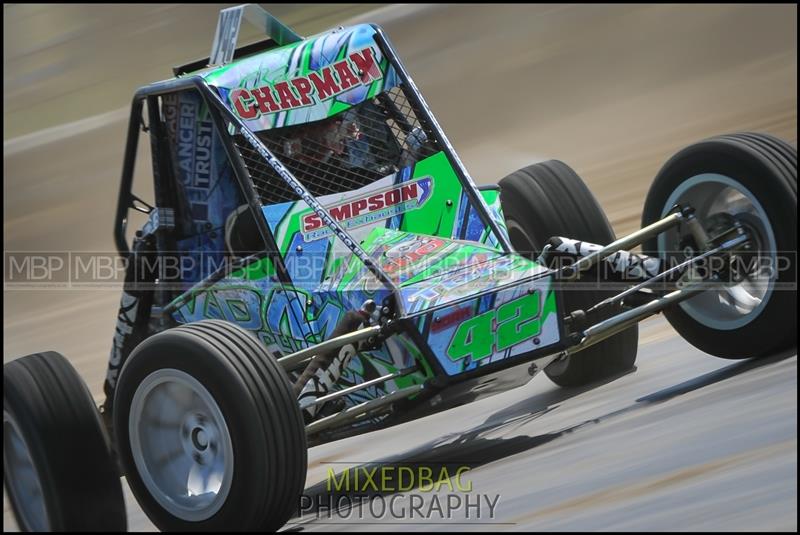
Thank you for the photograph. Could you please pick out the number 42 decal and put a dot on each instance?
(516, 321)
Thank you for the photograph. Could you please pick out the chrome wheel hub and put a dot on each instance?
(180, 444)
(718, 198)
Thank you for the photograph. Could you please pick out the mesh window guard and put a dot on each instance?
(352, 149)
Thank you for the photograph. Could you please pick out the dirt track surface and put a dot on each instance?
(687, 442)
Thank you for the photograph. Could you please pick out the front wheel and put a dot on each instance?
(209, 431)
(748, 180)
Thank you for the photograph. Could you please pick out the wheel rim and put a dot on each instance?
(181, 445)
(22, 479)
(734, 305)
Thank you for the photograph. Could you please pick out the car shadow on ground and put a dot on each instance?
(475, 448)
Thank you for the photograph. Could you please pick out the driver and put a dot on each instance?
(321, 141)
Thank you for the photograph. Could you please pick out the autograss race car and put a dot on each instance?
(318, 263)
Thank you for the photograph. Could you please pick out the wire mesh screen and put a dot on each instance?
(347, 151)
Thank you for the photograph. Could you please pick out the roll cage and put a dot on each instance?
(160, 215)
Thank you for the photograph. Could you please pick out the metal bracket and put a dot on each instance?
(229, 23)
(159, 219)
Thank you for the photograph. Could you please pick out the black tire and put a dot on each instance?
(767, 167)
(48, 406)
(263, 419)
(549, 199)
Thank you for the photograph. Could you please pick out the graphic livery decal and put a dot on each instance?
(285, 323)
(366, 209)
(498, 329)
(493, 327)
(306, 81)
(359, 68)
(425, 199)
(207, 189)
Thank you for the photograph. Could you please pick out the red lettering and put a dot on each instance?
(365, 65)
(340, 213)
(285, 95)
(395, 264)
(428, 247)
(409, 191)
(264, 100)
(375, 202)
(358, 206)
(346, 76)
(326, 84)
(242, 101)
(451, 318)
(304, 88)
(392, 197)
(311, 222)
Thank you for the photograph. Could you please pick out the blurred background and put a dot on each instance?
(613, 91)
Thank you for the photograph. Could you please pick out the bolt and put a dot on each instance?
(449, 202)
(299, 248)
(368, 306)
(200, 440)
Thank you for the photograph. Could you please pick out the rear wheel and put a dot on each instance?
(57, 464)
(209, 431)
(549, 199)
(748, 180)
